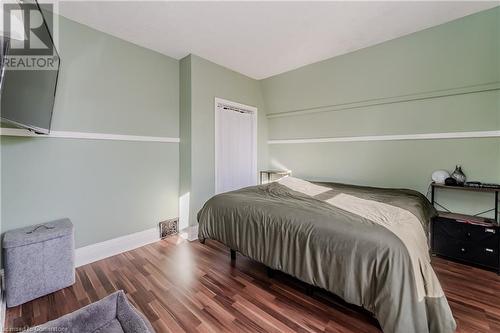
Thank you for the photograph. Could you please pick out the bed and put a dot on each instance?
(367, 245)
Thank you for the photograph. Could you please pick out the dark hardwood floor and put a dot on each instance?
(190, 287)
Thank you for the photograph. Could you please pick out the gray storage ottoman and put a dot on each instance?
(38, 260)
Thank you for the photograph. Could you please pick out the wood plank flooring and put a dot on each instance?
(190, 287)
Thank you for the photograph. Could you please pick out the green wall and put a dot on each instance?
(206, 81)
(107, 188)
(443, 79)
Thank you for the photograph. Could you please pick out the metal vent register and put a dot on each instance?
(169, 227)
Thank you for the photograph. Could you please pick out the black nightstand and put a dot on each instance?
(469, 239)
(473, 241)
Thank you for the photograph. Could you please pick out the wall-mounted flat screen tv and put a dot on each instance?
(27, 95)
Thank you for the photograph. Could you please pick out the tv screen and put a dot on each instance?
(28, 83)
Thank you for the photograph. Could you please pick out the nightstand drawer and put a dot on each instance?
(452, 230)
(480, 234)
(477, 253)
(473, 239)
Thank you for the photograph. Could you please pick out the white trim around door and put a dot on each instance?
(222, 103)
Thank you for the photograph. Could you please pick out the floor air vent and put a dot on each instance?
(169, 227)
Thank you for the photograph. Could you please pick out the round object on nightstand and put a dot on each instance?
(439, 176)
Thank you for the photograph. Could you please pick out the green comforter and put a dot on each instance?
(324, 240)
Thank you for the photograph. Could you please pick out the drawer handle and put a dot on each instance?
(489, 250)
(490, 230)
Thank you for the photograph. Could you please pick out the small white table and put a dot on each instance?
(270, 173)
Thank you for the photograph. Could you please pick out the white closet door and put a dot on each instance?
(235, 149)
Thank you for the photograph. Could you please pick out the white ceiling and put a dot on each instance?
(262, 39)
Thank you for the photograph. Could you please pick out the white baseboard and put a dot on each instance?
(87, 254)
(189, 233)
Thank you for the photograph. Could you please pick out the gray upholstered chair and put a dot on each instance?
(112, 314)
